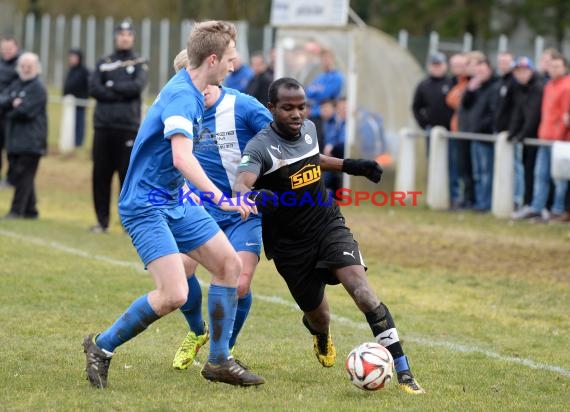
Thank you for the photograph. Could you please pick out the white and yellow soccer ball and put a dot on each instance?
(370, 366)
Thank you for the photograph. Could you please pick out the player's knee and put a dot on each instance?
(244, 282)
(243, 288)
(173, 302)
(174, 299)
(232, 266)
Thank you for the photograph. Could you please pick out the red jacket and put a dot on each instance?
(555, 102)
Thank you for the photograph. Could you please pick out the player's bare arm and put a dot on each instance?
(330, 164)
(244, 182)
(186, 162)
(356, 167)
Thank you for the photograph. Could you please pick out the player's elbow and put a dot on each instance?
(179, 160)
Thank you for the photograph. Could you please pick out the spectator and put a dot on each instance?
(24, 104)
(457, 175)
(506, 84)
(77, 85)
(328, 85)
(9, 53)
(429, 106)
(333, 117)
(117, 84)
(555, 106)
(478, 106)
(258, 86)
(544, 63)
(527, 100)
(240, 77)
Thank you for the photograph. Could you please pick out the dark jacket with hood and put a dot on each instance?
(527, 101)
(429, 106)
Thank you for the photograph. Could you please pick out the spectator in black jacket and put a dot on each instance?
(9, 53)
(258, 86)
(117, 84)
(429, 106)
(527, 100)
(506, 84)
(24, 104)
(479, 105)
(77, 85)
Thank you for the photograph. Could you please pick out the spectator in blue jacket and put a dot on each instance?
(240, 77)
(327, 85)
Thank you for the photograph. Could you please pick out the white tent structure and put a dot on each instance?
(380, 76)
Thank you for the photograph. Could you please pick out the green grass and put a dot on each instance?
(476, 300)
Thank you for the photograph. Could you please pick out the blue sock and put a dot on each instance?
(401, 364)
(243, 305)
(135, 320)
(192, 309)
(222, 304)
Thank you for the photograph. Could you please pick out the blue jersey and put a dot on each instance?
(178, 109)
(227, 126)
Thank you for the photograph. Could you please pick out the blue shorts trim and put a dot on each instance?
(245, 236)
(159, 232)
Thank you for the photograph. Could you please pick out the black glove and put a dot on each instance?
(362, 167)
(266, 201)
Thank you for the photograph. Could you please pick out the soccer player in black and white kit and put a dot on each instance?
(304, 232)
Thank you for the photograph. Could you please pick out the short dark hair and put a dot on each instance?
(287, 82)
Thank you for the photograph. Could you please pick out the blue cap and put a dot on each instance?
(524, 61)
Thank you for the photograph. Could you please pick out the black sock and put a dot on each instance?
(384, 330)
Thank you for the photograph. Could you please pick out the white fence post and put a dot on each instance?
(438, 170)
(406, 166)
(67, 125)
(503, 177)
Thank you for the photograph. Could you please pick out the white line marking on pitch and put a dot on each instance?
(456, 347)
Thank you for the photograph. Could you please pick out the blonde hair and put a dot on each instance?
(209, 37)
(181, 60)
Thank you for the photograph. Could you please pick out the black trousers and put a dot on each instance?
(529, 159)
(111, 153)
(23, 174)
(466, 172)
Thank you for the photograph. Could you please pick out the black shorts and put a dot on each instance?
(306, 268)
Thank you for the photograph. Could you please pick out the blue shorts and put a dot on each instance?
(159, 232)
(245, 236)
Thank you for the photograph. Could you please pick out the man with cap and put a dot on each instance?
(429, 106)
(527, 100)
(117, 84)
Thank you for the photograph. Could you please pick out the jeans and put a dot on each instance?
(482, 157)
(542, 184)
(519, 176)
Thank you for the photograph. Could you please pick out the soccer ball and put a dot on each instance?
(370, 366)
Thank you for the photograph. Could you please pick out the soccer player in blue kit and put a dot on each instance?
(231, 119)
(162, 159)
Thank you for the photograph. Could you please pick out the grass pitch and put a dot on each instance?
(482, 307)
